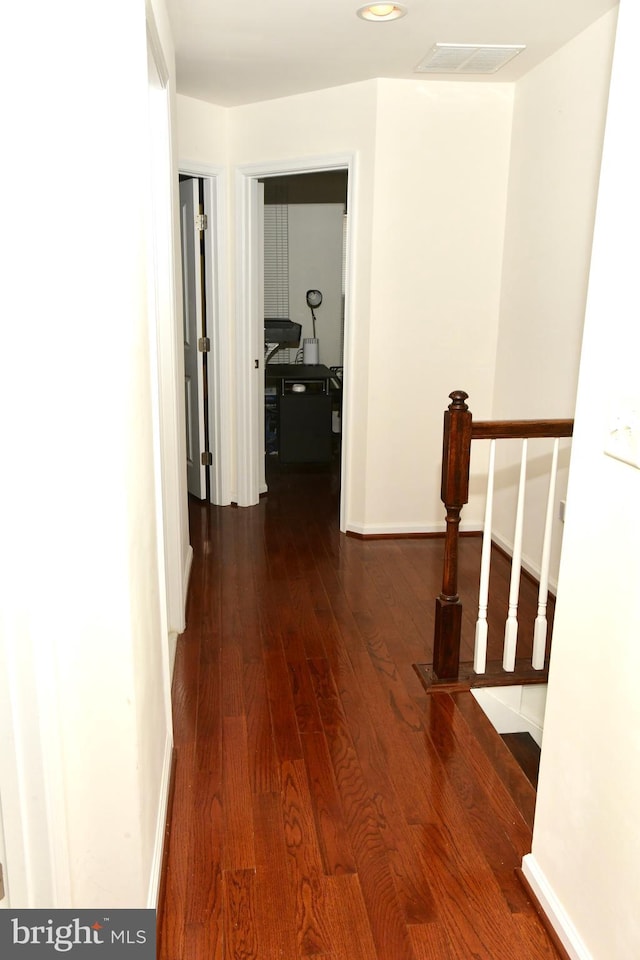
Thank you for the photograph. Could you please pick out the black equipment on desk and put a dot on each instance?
(285, 333)
(304, 411)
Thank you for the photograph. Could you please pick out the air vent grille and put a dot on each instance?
(467, 58)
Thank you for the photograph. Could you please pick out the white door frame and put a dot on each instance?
(193, 329)
(166, 359)
(249, 331)
(217, 310)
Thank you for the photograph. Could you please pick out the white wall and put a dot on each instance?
(315, 262)
(586, 841)
(201, 131)
(427, 213)
(85, 718)
(556, 145)
(441, 166)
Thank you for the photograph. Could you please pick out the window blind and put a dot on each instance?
(276, 260)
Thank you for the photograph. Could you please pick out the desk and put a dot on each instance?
(303, 415)
(289, 373)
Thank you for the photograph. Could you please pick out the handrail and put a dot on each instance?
(520, 429)
(458, 432)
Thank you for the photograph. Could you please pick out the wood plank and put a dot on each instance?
(275, 902)
(307, 715)
(351, 935)
(232, 667)
(305, 861)
(237, 821)
(430, 942)
(204, 940)
(205, 854)
(282, 707)
(240, 932)
(335, 847)
(264, 767)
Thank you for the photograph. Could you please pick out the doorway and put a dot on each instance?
(305, 218)
(249, 331)
(205, 335)
(193, 228)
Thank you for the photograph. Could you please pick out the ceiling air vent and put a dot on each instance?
(467, 58)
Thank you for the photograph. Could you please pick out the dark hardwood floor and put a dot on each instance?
(324, 804)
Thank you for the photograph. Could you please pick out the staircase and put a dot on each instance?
(447, 671)
(506, 786)
(526, 752)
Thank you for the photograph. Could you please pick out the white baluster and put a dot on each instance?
(540, 626)
(511, 626)
(482, 627)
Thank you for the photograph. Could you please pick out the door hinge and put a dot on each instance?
(206, 459)
(204, 344)
(1, 882)
(201, 221)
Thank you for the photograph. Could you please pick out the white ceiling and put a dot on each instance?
(231, 52)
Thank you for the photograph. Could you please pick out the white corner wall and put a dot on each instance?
(586, 841)
(556, 145)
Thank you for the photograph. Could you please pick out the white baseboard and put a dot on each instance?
(553, 909)
(186, 574)
(161, 824)
(405, 529)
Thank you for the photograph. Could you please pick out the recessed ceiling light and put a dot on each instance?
(382, 12)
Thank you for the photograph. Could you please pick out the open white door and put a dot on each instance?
(193, 330)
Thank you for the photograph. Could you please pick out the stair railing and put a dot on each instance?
(459, 430)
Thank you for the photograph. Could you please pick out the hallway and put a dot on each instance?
(325, 805)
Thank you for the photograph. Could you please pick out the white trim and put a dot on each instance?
(248, 414)
(155, 45)
(262, 446)
(247, 352)
(313, 164)
(220, 390)
(402, 529)
(186, 573)
(34, 872)
(553, 909)
(348, 416)
(155, 874)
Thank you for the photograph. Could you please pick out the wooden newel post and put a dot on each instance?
(456, 452)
